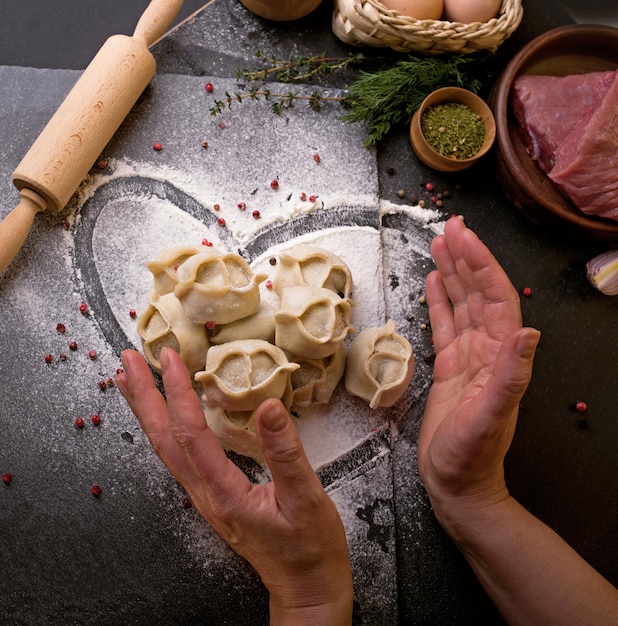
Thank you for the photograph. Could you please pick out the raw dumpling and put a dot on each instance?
(164, 324)
(313, 267)
(311, 321)
(235, 430)
(379, 365)
(241, 374)
(218, 287)
(260, 325)
(315, 381)
(164, 267)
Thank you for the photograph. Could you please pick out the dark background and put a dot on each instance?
(562, 465)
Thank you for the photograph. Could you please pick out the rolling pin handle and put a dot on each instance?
(15, 227)
(155, 20)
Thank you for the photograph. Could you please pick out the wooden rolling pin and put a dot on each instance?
(75, 136)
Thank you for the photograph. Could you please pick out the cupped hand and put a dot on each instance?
(288, 529)
(482, 368)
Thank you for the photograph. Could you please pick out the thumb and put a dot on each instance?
(283, 451)
(513, 370)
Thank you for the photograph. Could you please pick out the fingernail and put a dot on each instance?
(274, 417)
(527, 342)
(164, 358)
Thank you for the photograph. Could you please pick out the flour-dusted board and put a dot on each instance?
(143, 547)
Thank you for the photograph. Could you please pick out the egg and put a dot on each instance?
(417, 9)
(468, 11)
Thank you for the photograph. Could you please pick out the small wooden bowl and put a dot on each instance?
(573, 49)
(431, 157)
(281, 10)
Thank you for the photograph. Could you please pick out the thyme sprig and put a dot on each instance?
(381, 99)
(298, 68)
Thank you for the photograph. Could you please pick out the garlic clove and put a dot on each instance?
(602, 272)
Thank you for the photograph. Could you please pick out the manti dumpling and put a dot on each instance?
(241, 374)
(165, 266)
(314, 267)
(311, 321)
(315, 381)
(379, 365)
(218, 287)
(260, 325)
(164, 324)
(235, 430)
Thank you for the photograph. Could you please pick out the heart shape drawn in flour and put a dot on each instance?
(127, 220)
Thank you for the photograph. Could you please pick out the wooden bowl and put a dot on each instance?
(566, 50)
(281, 10)
(431, 157)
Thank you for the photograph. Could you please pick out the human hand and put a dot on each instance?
(289, 529)
(483, 366)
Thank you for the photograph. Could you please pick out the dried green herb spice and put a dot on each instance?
(453, 129)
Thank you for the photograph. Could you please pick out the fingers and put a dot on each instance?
(481, 292)
(278, 439)
(512, 372)
(440, 311)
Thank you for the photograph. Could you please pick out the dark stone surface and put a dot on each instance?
(135, 555)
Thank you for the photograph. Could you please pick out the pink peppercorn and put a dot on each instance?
(429, 186)
(303, 196)
(216, 207)
(312, 198)
(73, 346)
(221, 221)
(316, 157)
(7, 478)
(48, 358)
(60, 328)
(209, 325)
(96, 419)
(581, 407)
(132, 313)
(101, 164)
(274, 184)
(83, 308)
(256, 214)
(268, 284)
(526, 291)
(79, 422)
(209, 87)
(92, 354)
(95, 490)
(241, 206)
(102, 385)
(157, 147)
(206, 242)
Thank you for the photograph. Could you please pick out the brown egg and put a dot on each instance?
(417, 9)
(468, 11)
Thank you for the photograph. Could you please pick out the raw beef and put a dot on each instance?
(586, 162)
(548, 108)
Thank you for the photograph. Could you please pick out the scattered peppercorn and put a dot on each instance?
(83, 308)
(274, 184)
(73, 346)
(110, 382)
(221, 221)
(312, 198)
(209, 325)
(102, 385)
(96, 419)
(204, 144)
(526, 291)
(272, 260)
(157, 147)
(61, 328)
(186, 503)
(209, 87)
(303, 196)
(581, 407)
(79, 422)
(429, 186)
(95, 490)
(242, 206)
(132, 313)
(7, 478)
(49, 358)
(256, 214)
(317, 158)
(268, 284)
(63, 357)
(401, 193)
(390, 170)
(101, 164)
(206, 242)
(92, 355)
(216, 207)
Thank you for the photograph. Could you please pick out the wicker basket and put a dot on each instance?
(370, 23)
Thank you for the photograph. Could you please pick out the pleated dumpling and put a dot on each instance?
(260, 325)
(165, 324)
(241, 374)
(218, 287)
(235, 430)
(316, 379)
(379, 365)
(313, 267)
(165, 266)
(312, 321)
